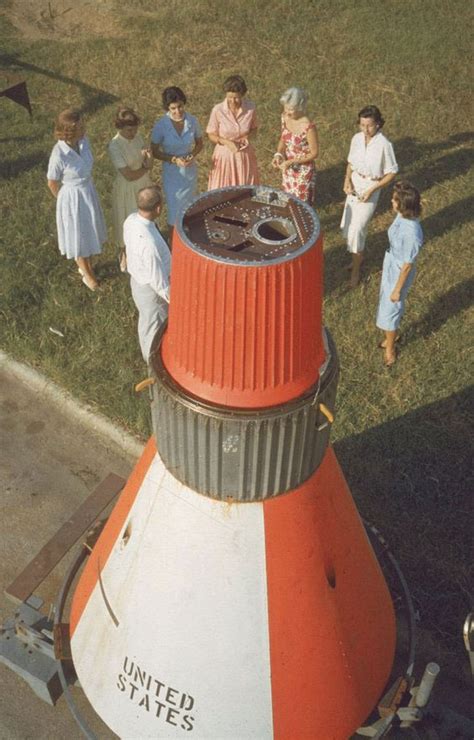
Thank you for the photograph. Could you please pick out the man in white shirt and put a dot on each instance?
(148, 262)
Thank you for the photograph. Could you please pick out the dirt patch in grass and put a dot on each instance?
(63, 19)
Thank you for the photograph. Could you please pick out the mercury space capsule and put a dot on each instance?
(233, 592)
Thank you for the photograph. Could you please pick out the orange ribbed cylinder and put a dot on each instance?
(242, 334)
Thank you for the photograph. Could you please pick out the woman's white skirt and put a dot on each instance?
(356, 215)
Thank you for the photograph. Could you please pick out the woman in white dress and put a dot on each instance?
(371, 166)
(79, 217)
(133, 162)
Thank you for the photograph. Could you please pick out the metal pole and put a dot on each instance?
(426, 685)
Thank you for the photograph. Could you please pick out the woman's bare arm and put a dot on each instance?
(386, 180)
(404, 272)
(54, 186)
(348, 186)
(158, 153)
(198, 145)
(216, 139)
(132, 175)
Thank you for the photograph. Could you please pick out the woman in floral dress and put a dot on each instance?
(298, 146)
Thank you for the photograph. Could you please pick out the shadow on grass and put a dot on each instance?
(412, 477)
(93, 98)
(9, 139)
(108, 269)
(329, 186)
(337, 259)
(14, 167)
(454, 215)
(455, 300)
(440, 168)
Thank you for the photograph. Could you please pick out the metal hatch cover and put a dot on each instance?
(249, 225)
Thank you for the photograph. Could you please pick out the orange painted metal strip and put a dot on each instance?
(331, 619)
(109, 535)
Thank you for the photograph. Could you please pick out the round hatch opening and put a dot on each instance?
(274, 230)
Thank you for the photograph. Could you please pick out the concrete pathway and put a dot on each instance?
(53, 452)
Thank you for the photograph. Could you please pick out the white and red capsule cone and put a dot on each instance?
(246, 615)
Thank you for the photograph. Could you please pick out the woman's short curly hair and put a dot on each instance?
(407, 198)
(371, 111)
(67, 123)
(295, 98)
(126, 117)
(172, 94)
(235, 84)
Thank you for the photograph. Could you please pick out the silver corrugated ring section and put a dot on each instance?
(242, 454)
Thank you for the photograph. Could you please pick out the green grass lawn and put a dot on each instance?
(402, 436)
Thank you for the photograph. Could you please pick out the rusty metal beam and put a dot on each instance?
(57, 547)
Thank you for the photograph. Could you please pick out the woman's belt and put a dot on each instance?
(368, 177)
(76, 182)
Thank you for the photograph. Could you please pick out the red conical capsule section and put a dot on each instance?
(244, 326)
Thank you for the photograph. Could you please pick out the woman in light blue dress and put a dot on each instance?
(79, 217)
(406, 239)
(176, 139)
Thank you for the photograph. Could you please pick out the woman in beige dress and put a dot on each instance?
(133, 162)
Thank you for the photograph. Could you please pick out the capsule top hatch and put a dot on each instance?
(247, 225)
(245, 318)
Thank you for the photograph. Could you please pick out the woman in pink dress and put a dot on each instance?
(298, 146)
(231, 126)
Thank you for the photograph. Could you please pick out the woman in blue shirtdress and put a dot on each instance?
(176, 139)
(406, 238)
(79, 217)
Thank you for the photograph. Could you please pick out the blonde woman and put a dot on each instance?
(79, 217)
(133, 163)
